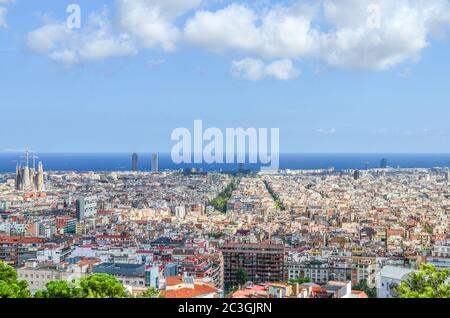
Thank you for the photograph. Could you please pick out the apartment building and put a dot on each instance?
(256, 262)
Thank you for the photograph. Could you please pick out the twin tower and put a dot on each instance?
(154, 164)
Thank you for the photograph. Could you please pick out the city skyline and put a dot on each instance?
(248, 155)
(127, 93)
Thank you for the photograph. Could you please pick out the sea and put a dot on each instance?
(122, 162)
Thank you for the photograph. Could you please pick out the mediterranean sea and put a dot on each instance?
(122, 162)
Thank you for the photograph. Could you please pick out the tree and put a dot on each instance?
(428, 282)
(10, 286)
(151, 293)
(241, 276)
(102, 286)
(59, 289)
(299, 280)
(93, 286)
(220, 203)
(362, 286)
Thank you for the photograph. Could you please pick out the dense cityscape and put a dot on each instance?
(190, 234)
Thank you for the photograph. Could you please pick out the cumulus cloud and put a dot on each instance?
(339, 33)
(94, 42)
(254, 69)
(277, 33)
(400, 36)
(347, 34)
(152, 21)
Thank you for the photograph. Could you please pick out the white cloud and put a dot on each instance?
(3, 12)
(94, 42)
(254, 69)
(278, 33)
(152, 21)
(401, 35)
(282, 70)
(250, 69)
(336, 33)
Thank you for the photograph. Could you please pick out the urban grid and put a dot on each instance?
(190, 234)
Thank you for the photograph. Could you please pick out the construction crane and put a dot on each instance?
(27, 152)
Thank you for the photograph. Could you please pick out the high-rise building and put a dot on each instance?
(356, 175)
(258, 263)
(155, 159)
(134, 162)
(86, 207)
(384, 163)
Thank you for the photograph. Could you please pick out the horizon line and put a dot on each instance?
(168, 153)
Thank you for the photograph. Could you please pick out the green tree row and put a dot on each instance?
(93, 286)
(220, 202)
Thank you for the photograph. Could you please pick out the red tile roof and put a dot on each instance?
(198, 290)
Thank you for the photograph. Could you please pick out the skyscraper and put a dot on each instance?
(356, 175)
(155, 167)
(134, 162)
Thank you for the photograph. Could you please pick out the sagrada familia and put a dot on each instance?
(28, 179)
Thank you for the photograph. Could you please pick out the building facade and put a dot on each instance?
(258, 263)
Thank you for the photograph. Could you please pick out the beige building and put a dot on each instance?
(39, 274)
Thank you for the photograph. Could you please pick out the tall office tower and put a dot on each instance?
(155, 159)
(39, 183)
(86, 207)
(134, 162)
(259, 263)
(356, 175)
(384, 163)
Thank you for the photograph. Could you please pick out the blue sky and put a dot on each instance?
(128, 96)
